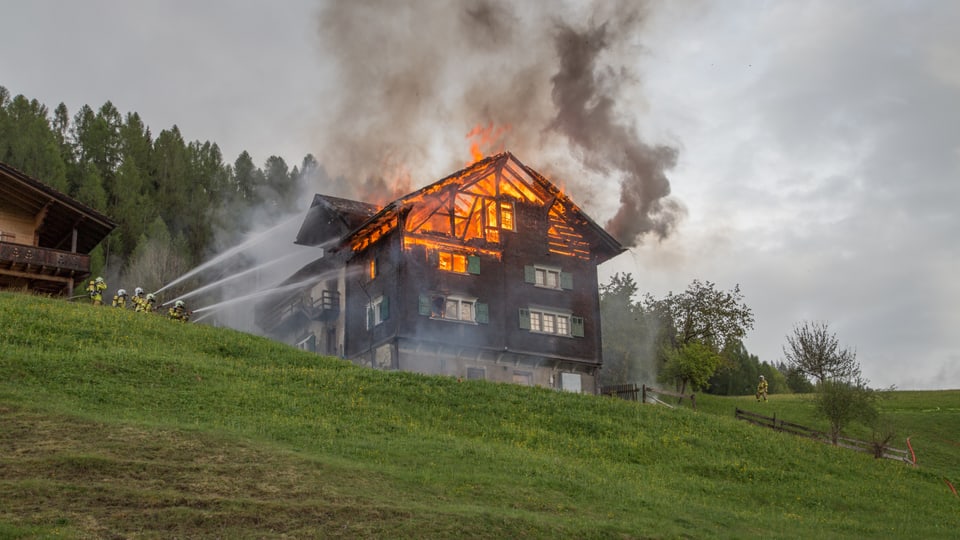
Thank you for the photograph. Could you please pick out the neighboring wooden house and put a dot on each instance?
(45, 236)
(489, 273)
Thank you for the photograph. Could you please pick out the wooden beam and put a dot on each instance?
(37, 277)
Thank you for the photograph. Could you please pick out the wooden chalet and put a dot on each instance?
(489, 273)
(45, 236)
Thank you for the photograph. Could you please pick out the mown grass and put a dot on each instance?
(116, 424)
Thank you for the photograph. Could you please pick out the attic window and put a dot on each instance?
(457, 262)
(506, 216)
(453, 262)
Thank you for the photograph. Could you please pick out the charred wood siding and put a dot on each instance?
(363, 288)
(528, 248)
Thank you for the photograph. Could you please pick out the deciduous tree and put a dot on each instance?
(702, 315)
(815, 351)
(842, 401)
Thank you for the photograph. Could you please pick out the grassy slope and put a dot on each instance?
(115, 423)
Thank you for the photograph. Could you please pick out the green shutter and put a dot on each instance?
(312, 343)
(524, 319)
(371, 322)
(482, 312)
(576, 326)
(529, 274)
(424, 308)
(566, 280)
(473, 264)
(385, 308)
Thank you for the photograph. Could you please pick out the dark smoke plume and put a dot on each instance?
(585, 114)
(413, 78)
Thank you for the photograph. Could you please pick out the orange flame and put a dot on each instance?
(485, 137)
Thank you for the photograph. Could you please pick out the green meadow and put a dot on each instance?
(115, 424)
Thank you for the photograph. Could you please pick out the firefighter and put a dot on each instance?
(179, 312)
(762, 389)
(120, 299)
(137, 299)
(95, 289)
(147, 304)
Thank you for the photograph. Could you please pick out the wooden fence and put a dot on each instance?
(878, 451)
(629, 391)
(644, 394)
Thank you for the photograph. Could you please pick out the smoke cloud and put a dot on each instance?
(414, 78)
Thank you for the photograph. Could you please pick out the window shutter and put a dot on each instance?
(473, 264)
(576, 326)
(433, 258)
(312, 343)
(566, 280)
(385, 308)
(524, 319)
(483, 312)
(371, 322)
(529, 274)
(424, 308)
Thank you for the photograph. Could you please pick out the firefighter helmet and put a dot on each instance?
(150, 297)
(179, 304)
(138, 291)
(99, 279)
(122, 292)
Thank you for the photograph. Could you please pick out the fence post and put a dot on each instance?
(693, 401)
(644, 400)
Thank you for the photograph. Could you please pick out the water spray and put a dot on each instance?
(235, 276)
(298, 285)
(258, 294)
(256, 238)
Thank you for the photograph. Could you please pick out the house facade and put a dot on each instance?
(489, 273)
(45, 236)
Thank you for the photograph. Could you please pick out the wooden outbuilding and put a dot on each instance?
(45, 236)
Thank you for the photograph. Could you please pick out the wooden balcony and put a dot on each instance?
(273, 315)
(40, 269)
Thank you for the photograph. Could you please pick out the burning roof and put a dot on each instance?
(475, 204)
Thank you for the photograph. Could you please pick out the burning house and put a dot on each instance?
(489, 273)
(45, 236)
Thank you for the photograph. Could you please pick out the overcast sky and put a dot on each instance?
(812, 148)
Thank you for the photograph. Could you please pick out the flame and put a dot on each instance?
(472, 211)
(485, 137)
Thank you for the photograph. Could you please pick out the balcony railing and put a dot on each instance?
(42, 261)
(325, 308)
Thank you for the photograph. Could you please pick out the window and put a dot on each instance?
(454, 308)
(548, 277)
(453, 262)
(457, 262)
(506, 216)
(551, 322)
(377, 311)
(475, 373)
